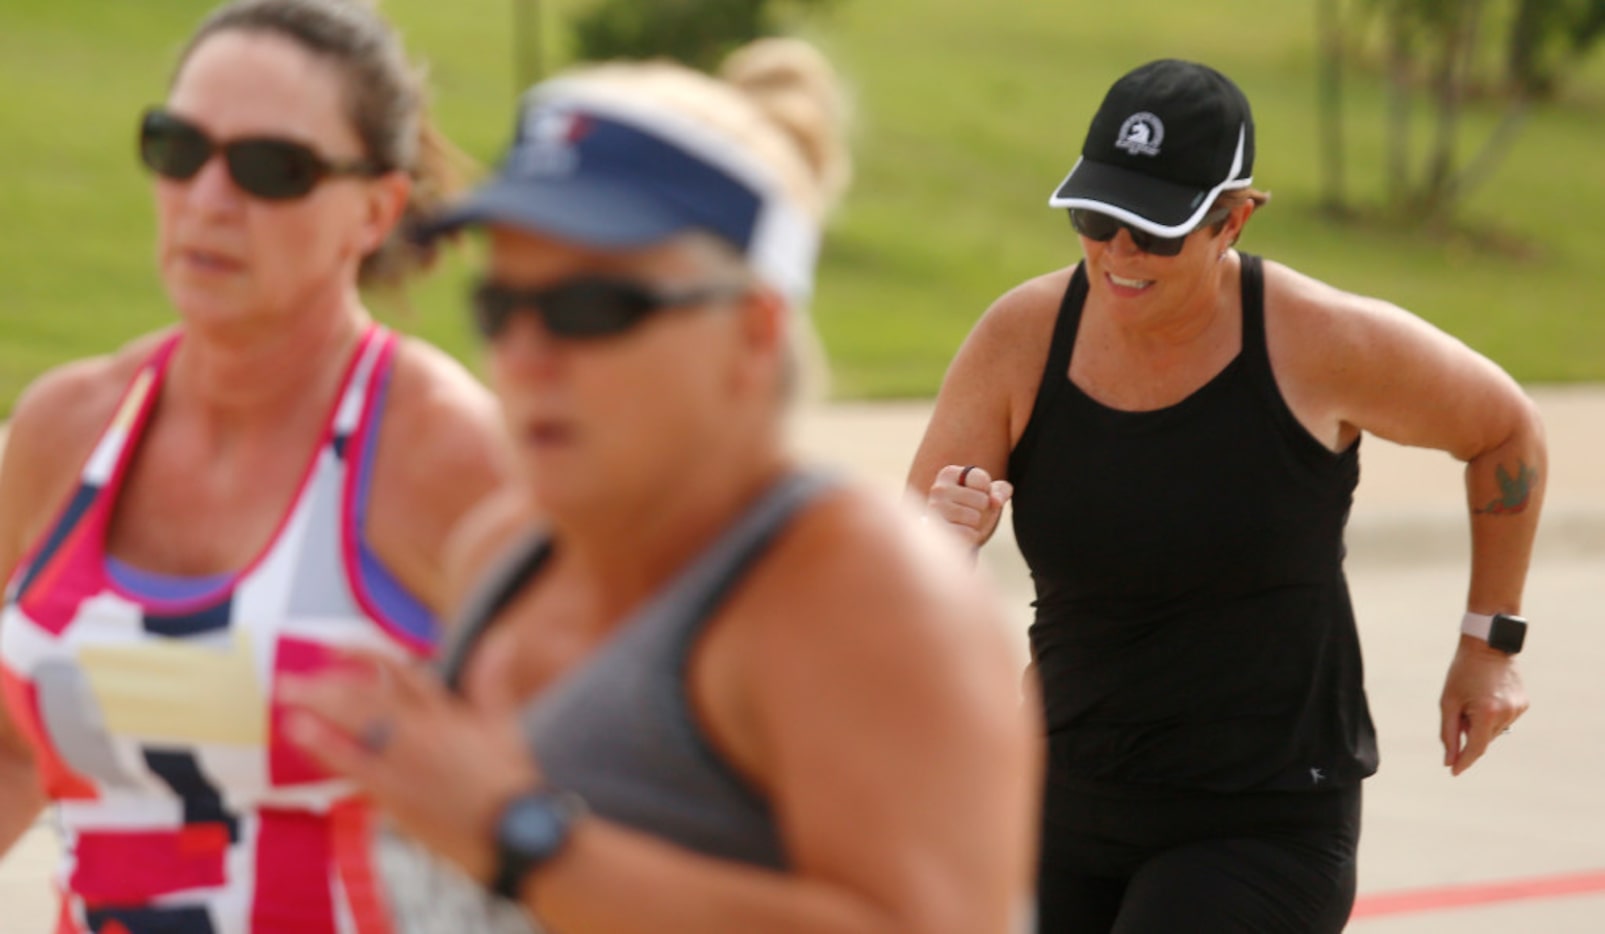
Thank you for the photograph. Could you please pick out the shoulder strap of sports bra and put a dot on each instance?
(517, 567)
(691, 597)
(1056, 372)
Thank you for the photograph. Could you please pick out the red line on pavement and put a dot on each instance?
(1441, 898)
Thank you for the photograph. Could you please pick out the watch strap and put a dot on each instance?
(1501, 631)
(515, 860)
(1477, 624)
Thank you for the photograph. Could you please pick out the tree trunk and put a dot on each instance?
(529, 44)
(1493, 151)
(1521, 51)
(1459, 39)
(1399, 80)
(1329, 106)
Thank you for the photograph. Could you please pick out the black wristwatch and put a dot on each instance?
(1501, 631)
(531, 830)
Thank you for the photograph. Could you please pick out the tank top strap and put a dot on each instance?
(694, 596)
(1056, 373)
(373, 357)
(685, 604)
(133, 412)
(1256, 352)
(506, 579)
(1256, 365)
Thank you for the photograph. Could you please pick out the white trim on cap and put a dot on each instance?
(785, 239)
(1143, 223)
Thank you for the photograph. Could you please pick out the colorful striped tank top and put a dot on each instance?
(151, 707)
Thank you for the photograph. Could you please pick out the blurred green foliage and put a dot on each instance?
(968, 114)
(698, 32)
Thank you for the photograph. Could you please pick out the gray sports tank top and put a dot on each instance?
(620, 730)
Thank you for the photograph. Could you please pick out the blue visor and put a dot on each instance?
(607, 177)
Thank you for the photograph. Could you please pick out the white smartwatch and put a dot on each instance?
(1501, 631)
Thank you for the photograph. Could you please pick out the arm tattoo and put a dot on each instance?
(1514, 491)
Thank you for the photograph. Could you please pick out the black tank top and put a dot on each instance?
(1193, 627)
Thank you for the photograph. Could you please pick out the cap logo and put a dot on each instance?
(1141, 134)
(546, 147)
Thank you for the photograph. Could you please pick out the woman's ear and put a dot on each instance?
(386, 203)
(1238, 219)
(764, 319)
(762, 333)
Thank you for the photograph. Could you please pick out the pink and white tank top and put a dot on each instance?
(151, 702)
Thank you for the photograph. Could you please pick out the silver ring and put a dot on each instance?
(376, 735)
(965, 474)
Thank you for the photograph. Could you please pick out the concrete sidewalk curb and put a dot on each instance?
(1405, 536)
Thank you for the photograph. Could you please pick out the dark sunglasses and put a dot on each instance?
(583, 308)
(268, 168)
(1102, 228)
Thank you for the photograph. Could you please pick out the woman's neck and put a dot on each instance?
(630, 547)
(237, 376)
(1201, 318)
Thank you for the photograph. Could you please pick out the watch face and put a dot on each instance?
(533, 827)
(529, 832)
(1507, 633)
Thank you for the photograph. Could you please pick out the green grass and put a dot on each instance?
(968, 114)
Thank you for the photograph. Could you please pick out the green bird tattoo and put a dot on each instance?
(1514, 492)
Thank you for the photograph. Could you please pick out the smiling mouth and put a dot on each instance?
(1125, 283)
(211, 262)
(547, 434)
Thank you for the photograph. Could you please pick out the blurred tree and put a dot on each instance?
(529, 43)
(1329, 95)
(696, 32)
(1436, 49)
(1548, 38)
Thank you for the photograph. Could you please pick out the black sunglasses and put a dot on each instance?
(1102, 228)
(583, 308)
(268, 168)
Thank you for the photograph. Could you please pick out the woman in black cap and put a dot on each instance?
(782, 703)
(1178, 424)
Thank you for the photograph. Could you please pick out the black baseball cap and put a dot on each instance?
(1169, 137)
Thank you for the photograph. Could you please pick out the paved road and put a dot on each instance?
(1527, 821)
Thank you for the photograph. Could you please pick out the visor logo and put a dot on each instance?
(546, 148)
(1141, 134)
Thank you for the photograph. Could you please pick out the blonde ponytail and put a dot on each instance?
(796, 88)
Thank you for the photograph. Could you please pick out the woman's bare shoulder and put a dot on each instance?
(428, 385)
(66, 407)
(440, 422)
(858, 559)
(54, 425)
(1028, 309)
(1319, 328)
(482, 537)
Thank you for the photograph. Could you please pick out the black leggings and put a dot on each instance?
(1159, 863)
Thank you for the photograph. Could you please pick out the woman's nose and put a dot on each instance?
(1123, 243)
(212, 186)
(526, 345)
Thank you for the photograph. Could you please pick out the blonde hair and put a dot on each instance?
(779, 100)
